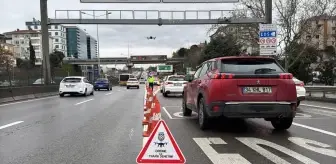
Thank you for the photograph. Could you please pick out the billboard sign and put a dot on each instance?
(164, 68)
(159, 1)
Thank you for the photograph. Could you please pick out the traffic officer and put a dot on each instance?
(150, 81)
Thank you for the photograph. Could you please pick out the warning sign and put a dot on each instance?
(161, 147)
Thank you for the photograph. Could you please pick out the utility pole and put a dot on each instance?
(45, 41)
(268, 11)
(98, 51)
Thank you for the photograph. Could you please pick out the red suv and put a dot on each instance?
(241, 87)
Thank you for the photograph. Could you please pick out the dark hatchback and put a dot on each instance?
(102, 83)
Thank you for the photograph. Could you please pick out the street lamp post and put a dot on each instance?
(98, 48)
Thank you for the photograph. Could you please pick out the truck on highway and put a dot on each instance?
(124, 77)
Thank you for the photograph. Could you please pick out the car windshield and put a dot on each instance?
(176, 78)
(248, 66)
(72, 80)
(132, 80)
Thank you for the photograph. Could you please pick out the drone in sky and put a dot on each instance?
(151, 37)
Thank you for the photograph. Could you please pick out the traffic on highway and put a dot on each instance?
(216, 115)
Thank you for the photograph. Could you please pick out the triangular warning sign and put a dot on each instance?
(161, 147)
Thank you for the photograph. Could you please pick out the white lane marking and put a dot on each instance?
(131, 134)
(255, 144)
(315, 146)
(180, 115)
(214, 156)
(315, 106)
(84, 101)
(108, 93)
(320, 112)
(11, 124)
(315, 129)
(167, 113)
(27, 101)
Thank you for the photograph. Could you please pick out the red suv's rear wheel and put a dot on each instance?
(203, 119)
(282, 123)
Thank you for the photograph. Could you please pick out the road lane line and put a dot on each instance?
(84, 101)
(13, 103)
(11, 124)
(315, 129)
(167, 112)
(108, 93)
(322, 107)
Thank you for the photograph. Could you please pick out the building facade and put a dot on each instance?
(322, 32)
(76, 42)
(58, 32)
(20, 39)
(92, 50)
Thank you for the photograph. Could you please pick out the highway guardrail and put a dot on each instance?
(10, 94)
(321, 93)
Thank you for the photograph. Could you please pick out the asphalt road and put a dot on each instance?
(101, 129)
(106, 129)
(311, 139)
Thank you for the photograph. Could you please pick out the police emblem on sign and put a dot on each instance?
(161, 137)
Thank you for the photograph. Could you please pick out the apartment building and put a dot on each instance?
(58, 32)
(20, 39)
(322, 32)
(246, 35)
(76, 42)
(92, 51)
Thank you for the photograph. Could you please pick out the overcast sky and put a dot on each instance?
(114, 39)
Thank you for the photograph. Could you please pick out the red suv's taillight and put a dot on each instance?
(286, 76)
(222, 76)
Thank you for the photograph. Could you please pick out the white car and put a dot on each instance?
(174, 84)
(132, 82)
(163, 83)
(142, 81)
(300, 90)
(75, 85)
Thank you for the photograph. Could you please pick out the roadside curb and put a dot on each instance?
(26, 97)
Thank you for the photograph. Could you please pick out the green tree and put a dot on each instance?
(6, 62)
(32, 56)
(182, 52)
(328, 65)
(221, 46)
(56, 61)
(302, 69)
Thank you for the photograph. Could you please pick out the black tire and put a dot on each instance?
(92, 93)
(165, 94)
(298, 103)
(111, 89)
(185, 110)
(161, 90)
(282, 123)
(138, 87)
(85, 94)
(61, 95)
(127, 87)
(203, 119)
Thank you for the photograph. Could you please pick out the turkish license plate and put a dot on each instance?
(249, 90)
(177, 84)
(69, 86)
(100, 85)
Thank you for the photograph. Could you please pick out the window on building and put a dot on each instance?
(49, 27)
(35, 27)
(17, 42)
(56, 40)
(56, 33)
(56, 46)
(56, 26)
(317, 36)
(22, 42)
(49, 33)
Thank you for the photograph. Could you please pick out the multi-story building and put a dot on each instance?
(58, 32)
(2, 38)
(245, 35)
(92, 51)
(321, 32)
(76, 42)
(20, 39)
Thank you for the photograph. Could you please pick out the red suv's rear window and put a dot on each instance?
(250, 66)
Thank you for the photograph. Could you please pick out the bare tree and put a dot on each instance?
(294, 19)
(6, 62)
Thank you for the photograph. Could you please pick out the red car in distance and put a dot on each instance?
(241, 87)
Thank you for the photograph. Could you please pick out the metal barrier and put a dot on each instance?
(27, 92)
(321, 89)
